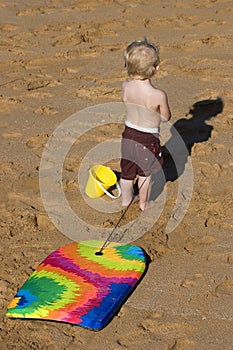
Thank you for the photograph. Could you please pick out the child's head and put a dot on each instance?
(141, 59)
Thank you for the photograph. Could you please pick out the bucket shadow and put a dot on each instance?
(185, 133)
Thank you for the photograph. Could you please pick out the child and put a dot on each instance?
(146, 107)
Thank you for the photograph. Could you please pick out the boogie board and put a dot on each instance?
(76, 286)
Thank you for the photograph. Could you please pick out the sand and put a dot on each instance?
(59, 57)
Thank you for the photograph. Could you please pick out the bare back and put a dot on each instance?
(144, 103)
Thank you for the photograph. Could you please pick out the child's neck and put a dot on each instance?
(146, 81)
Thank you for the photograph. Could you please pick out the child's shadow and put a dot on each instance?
(184, 134)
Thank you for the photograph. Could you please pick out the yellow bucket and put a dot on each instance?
(101, 178)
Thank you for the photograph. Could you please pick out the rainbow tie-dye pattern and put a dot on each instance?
(76, 286)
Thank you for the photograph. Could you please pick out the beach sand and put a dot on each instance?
(60, 57)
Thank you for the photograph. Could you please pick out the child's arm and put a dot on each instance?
(164, 108)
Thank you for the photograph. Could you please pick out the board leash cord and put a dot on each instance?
(108, 240)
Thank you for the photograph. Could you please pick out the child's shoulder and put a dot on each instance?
(158, 92)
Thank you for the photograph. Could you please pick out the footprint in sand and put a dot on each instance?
(174, 335)
(26, 201)
(6, 168)
(46, 110)
(94, 93)
(8, 104)
(225, 288)
(183, 344)
(210, 170)
(170, 329)
(68, 39)
(43, 62)
(42, 83)
(23, 40)
(43, 222)
(11, 135)
(71, 165)
(8, 27)
(196, 280)
(220, 258)
(37, 142)
(139, 339)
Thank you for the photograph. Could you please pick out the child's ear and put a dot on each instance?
(155, 69)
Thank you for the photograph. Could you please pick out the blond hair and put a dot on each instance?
(141, 59)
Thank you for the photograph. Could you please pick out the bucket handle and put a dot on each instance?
(108, 193)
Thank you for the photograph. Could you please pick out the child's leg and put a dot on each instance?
(127, 191)
(144, 191)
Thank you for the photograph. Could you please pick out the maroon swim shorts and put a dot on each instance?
(140, 154)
